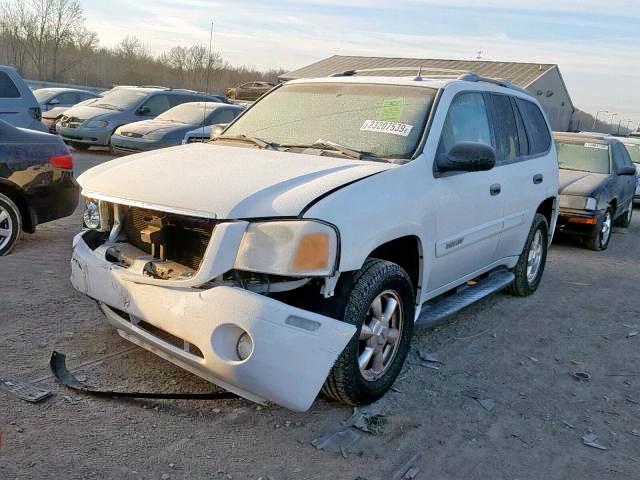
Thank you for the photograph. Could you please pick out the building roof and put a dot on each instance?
(520, 74)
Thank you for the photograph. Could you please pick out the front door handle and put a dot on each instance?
(537, 179)
(495, 189)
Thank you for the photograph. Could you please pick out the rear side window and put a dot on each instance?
(537, 130)
(225, 116)
(8, 89)
(157, 104)
(466, 121)
(505, 128)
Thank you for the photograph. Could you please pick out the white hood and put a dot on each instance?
(223, 182)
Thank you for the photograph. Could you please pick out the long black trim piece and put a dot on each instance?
(64, 376)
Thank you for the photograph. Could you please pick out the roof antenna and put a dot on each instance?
(209, 61)
(419, 76)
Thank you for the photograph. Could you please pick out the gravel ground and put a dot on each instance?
(519, 353)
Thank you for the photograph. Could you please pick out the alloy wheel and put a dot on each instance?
(534, 259)
(6, 227)
(380, 335)
(605, 230)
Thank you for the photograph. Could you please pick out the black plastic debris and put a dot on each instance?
(64, 376)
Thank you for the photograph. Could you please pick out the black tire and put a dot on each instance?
(10, 220)
(353, 298)
(81, 147)
(624, 220)
(596, 240)
(523, 285)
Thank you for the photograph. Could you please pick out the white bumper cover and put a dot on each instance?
(293, 349)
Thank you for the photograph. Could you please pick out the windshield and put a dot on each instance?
(121, 99)
(192, 113)
(634, 152)
(384, 120)
(584, 156)
(42, 95)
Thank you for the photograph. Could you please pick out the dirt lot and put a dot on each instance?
(518, 353)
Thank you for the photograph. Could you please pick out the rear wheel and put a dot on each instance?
(530, 267)
(81, 147)
(379, 301)
(601, 235)
(10, 224)
(625, 219)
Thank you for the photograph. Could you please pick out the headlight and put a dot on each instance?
(289, 248)
(91, 214)
(96, 124)
(577, 202)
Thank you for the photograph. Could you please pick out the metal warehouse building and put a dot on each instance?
(544, 81)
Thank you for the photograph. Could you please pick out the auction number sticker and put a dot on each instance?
(599, 146)
(393, 128)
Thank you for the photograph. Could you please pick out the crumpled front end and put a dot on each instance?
(166, 282)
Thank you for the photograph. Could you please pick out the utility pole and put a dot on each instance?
(611, 122)
(595, 121)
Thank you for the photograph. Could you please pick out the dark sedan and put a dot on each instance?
(169, 128)
(36, 182)
(597, 183)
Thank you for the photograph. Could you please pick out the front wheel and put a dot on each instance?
(10, 224)
(379, 301)
(601, 235)
(530, 267)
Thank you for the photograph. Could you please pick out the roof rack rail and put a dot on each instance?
(501, 82)
(154, 86)
(440, 73)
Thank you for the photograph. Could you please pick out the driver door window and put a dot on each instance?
(157, 104)
(466, 121)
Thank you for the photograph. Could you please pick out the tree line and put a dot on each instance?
(48, 40)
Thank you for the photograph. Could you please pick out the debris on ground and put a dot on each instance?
(590, 441)
(632, 334)
(24, 391)
(568, 424)
(336, 442)
(581, 376)
(429, 357)
(635, 432)
(368, 421)
(408, 470)
(487, 403)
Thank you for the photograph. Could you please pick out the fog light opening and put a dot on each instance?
(231, 343)
(244, 347)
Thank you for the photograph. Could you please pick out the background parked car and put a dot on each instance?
(61, 97)
(597, 184)
(633, 147)
(169, 128)
(250, 91)
(36, 182)
(18, 106)
(93, 124)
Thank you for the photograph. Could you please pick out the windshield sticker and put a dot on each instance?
(393, 128)
(599, 146)
(390, 110)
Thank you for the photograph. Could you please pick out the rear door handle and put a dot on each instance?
(537, 179)
(495, 189)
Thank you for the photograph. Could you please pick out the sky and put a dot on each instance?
(595, 42)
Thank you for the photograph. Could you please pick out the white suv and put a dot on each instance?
(298, 250)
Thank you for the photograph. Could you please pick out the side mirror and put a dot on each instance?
(217, 130)
(626, 170)
(53, 101)
(467, 157)
(143, 111)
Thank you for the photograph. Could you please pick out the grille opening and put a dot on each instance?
(159, 333)
(185, 238)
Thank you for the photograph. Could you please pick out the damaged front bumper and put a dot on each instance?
(292, 350)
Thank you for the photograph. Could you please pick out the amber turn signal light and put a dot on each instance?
(312, 252)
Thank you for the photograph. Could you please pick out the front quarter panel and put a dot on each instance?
(376, 210)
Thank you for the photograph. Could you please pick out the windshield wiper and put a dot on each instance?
(246, 138)
(327, 145)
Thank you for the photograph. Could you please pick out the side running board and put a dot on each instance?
(435, 313)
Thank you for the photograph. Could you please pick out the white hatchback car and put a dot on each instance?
(298, 251)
